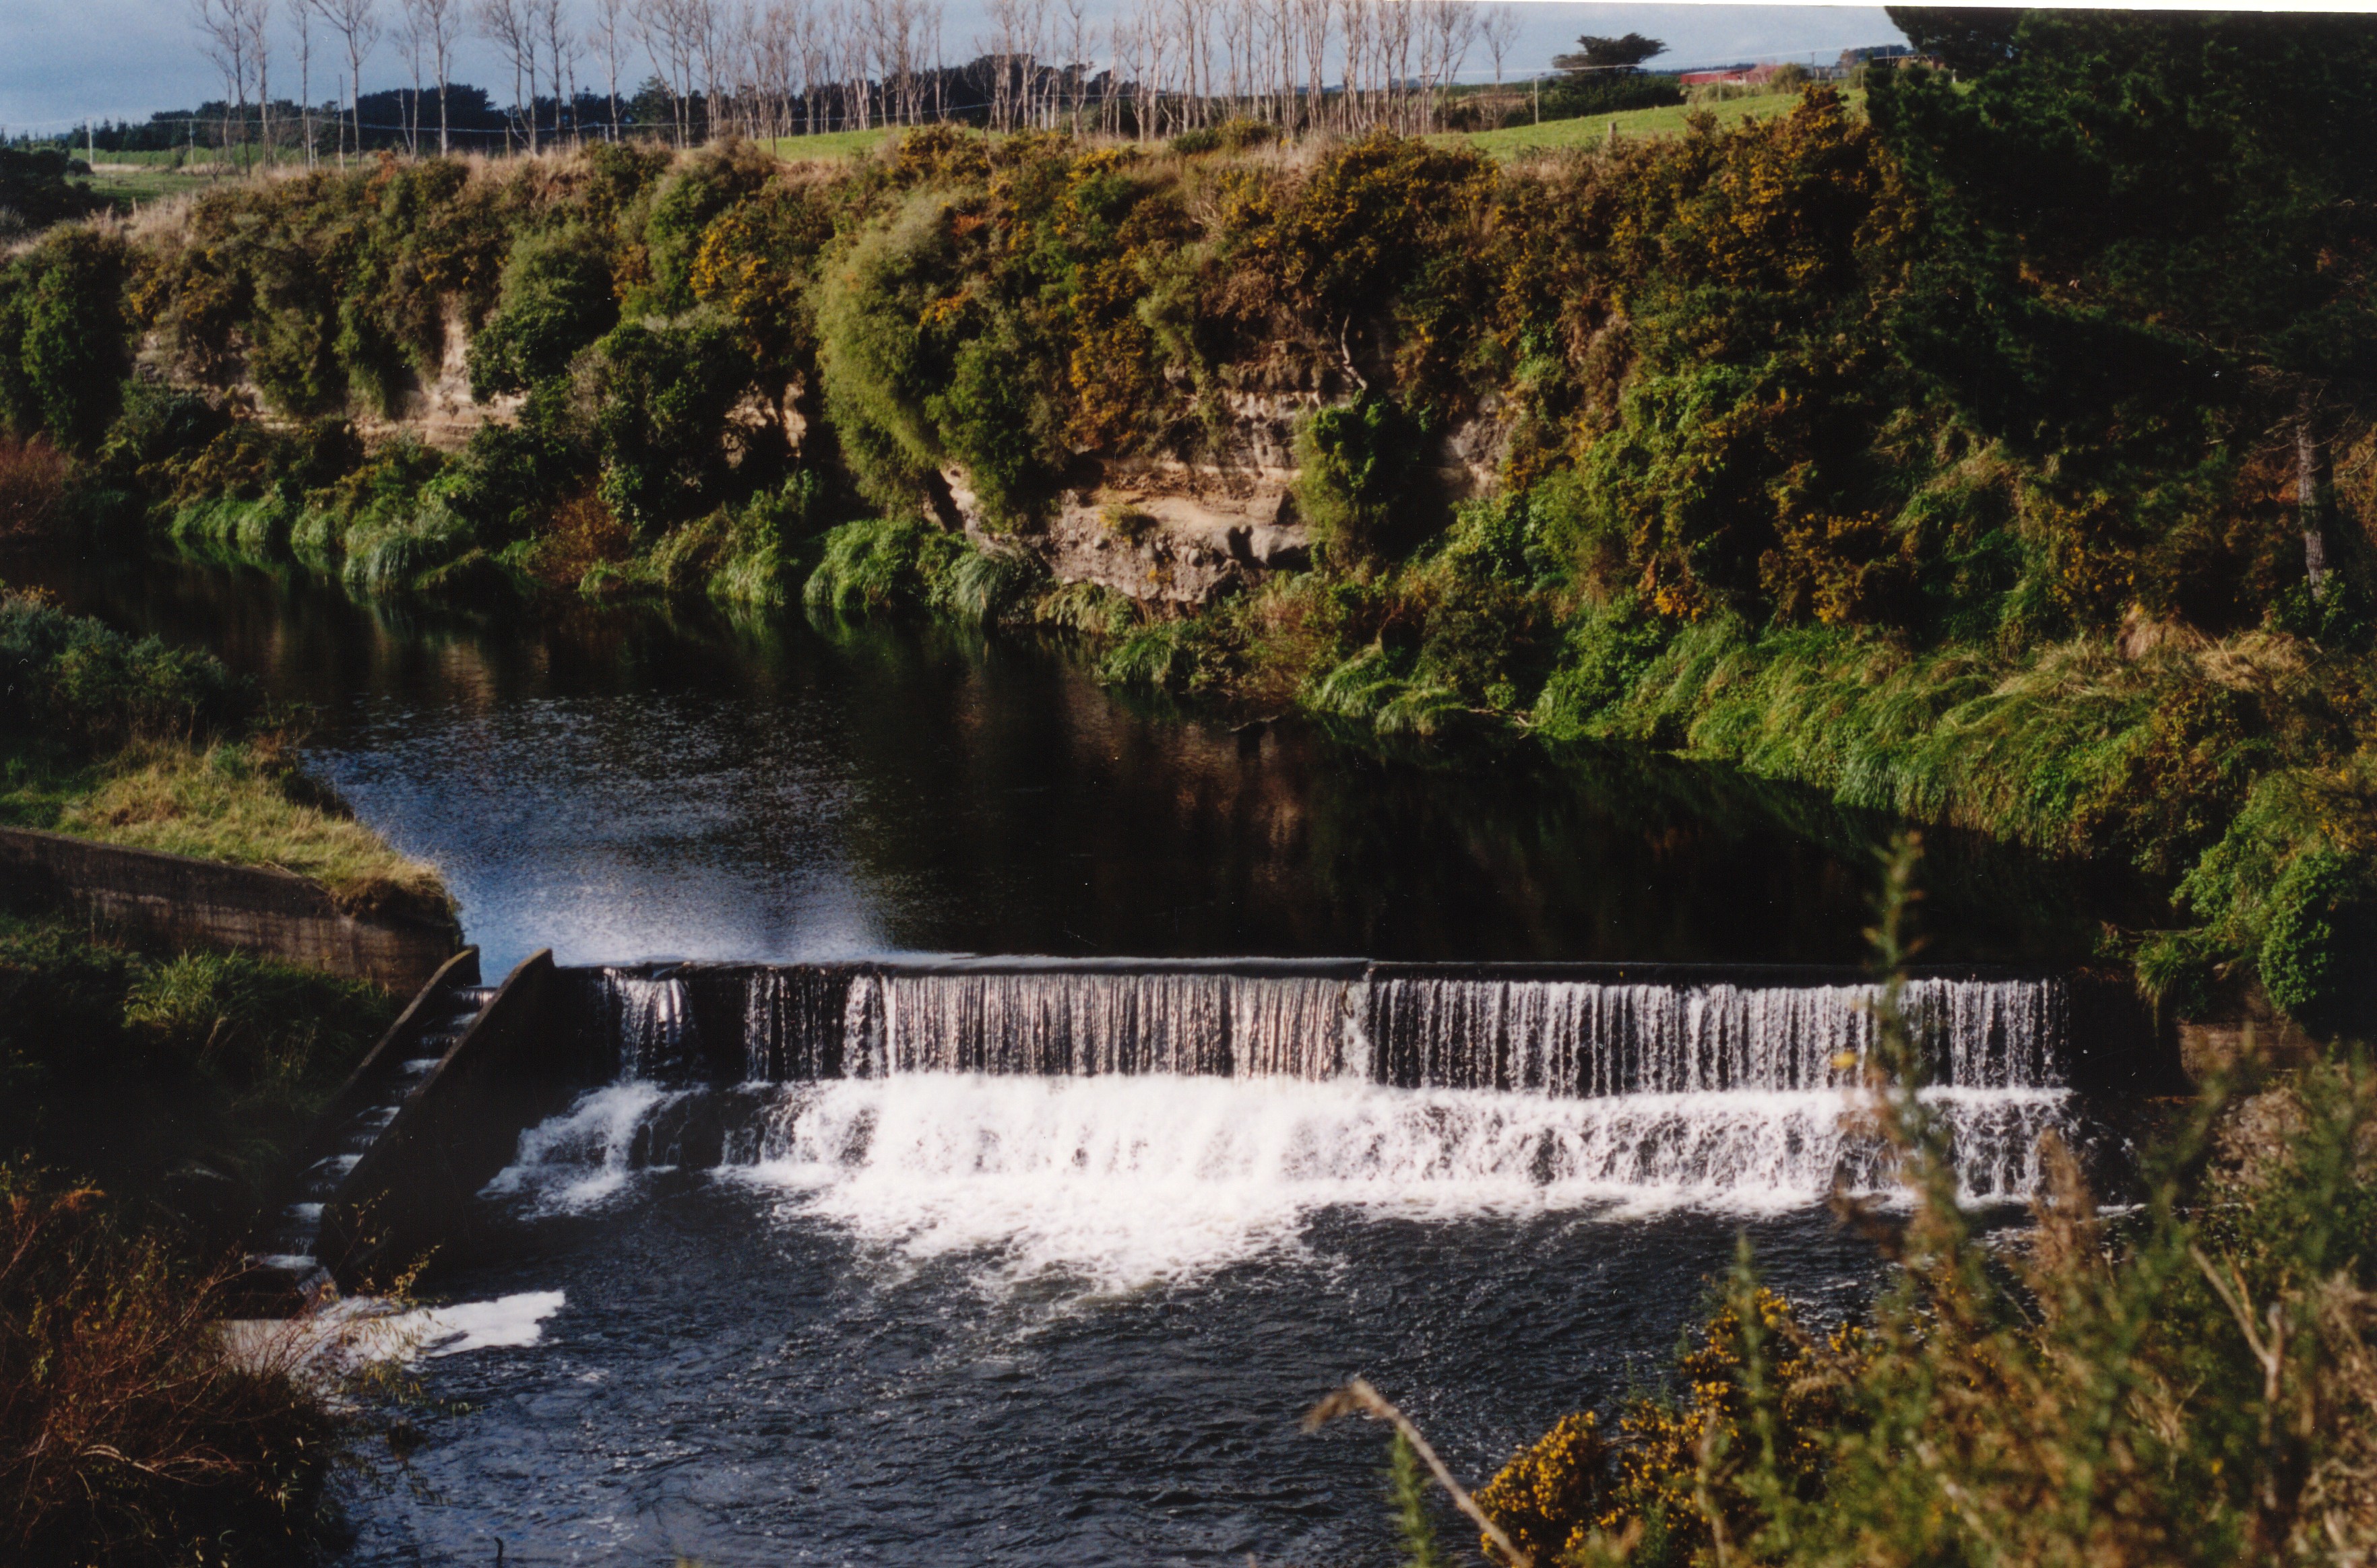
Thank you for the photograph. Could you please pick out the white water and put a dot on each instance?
(1127, 1125)
(1122, 1179)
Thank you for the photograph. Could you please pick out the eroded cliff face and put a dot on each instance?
(1166, 532)
(1171, 531)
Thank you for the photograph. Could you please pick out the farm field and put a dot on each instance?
(1669, 120)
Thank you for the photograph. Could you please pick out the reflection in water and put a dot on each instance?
(628, 782)
(875, 1358)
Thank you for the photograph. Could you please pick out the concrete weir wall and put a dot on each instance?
(410, 1192)
(178, 899)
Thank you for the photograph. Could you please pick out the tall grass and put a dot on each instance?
(129, 1434)
(240, 802)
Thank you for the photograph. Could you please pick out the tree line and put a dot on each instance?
(690, 70)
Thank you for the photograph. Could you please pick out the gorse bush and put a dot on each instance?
(2192, 1383)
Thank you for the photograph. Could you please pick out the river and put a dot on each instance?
(1027, 1319)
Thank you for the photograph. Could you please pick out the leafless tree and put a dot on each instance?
(1498, 29)
(356, 22)
(609, 39)
(813, 42)
(413, 32)
(669, 32)
(561, 49)
(1082, 42)
(224, 37)
(301, 15)
(1449, 33)
(257, 15)
(507, 25)
(1312, 18)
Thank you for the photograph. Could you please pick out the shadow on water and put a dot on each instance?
(632, 781)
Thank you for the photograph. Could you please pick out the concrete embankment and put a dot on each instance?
(180, 900)
(410, 1190)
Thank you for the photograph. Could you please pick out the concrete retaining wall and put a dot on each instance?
(412, 1191)
(177, 899)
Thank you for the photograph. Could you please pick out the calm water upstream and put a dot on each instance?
(1037, 1320)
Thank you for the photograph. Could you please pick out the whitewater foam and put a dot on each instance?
(1124, 1179)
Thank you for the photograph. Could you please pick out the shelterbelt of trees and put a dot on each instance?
(2002, 457)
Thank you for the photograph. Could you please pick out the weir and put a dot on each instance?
(1310, 1082)
(1224, 1096)
(1566, 1029)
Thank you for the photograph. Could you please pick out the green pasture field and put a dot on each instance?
(1518, 141)
(828, 144)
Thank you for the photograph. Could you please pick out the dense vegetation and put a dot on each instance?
(2191, 1381)
(1998, 458)
(149, 1104)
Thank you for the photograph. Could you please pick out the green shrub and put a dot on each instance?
(556, 299)
(71, 683)
(1356, 463)
(664, 390)
(993, 419)
(64, 348)
(2319, 960)
(879, 366)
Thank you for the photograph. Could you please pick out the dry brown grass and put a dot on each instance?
(128, 1435)
(32, 486)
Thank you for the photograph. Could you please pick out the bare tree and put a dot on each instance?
(356, 22)
(560, 55)
(1498, 29)
(413, 32)
(301, 15)
(1449, 30)
(1082, 41)
(257, 16)
(813, 41)
(445, 24)
(223, 36)
(608, 36)
(507, 25)
(1313, 19)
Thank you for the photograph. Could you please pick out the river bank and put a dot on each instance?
(1685, 444)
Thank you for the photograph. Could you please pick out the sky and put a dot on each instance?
(62, 61)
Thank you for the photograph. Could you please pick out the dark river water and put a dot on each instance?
(758, 1366)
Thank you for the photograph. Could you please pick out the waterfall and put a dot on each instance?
(1580, 1037)
(1086, 1114)
(1402, 1025)
(1080, 1025)
(649, 1021)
